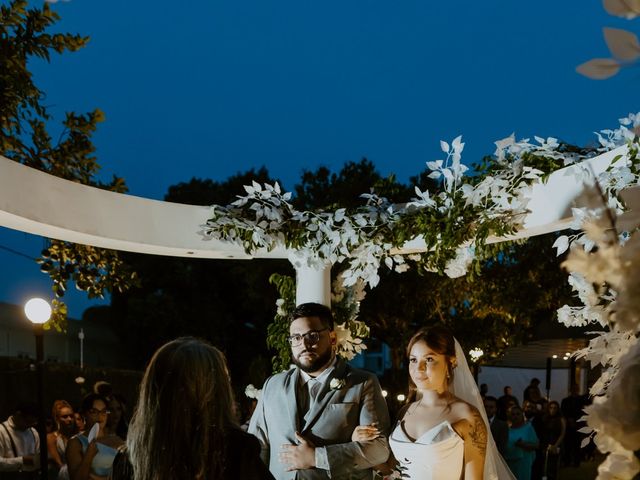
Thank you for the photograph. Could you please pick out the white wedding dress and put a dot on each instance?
(438, 454)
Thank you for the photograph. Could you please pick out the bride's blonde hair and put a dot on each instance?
(184, 408)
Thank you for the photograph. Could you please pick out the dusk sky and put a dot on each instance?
(211, 88)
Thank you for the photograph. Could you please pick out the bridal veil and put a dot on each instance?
(464, 387)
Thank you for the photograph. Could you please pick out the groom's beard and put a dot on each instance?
(315, 364)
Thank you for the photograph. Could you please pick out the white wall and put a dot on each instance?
(518, 378)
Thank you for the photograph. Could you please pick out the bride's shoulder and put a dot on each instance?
(468, 423)
(464, 410)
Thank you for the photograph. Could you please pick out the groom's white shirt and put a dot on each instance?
(328, 423)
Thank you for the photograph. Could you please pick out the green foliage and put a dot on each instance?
(278, 330)
(24, 138)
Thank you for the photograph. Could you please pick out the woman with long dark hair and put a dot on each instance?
(184, 424)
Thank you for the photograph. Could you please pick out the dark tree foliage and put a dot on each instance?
(321, 189)
(229, 303)
(516, 293)
(25, 138)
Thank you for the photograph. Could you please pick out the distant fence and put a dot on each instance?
(18, 383)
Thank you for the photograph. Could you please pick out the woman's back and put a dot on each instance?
(184, 424)
(241, 459)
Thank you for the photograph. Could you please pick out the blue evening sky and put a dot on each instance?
(210, 88)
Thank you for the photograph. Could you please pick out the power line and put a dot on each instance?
(16, 252)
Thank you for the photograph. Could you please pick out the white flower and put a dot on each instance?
(459, 266)
(280, 307)
(253, 392)
(619, 465)
(337, 383)
(618, 413)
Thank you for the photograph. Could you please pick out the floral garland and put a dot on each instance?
(455, 223)
(604, 262)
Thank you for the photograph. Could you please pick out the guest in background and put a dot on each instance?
(521, 445)
(79, 420)
(505, 402)
(91, 459)
(117, 422)
(484, 390)
(554, 429)
(572, 410)
(65, 428)
(533, 415)
(499, 428)
(532, 392)
(186, 402)
(19, 442)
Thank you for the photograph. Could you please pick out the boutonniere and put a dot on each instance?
(337, 383)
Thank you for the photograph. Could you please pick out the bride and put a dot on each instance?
(442, 431)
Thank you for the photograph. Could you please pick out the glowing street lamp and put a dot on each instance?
(38, 311)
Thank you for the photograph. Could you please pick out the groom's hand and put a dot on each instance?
(298, 457)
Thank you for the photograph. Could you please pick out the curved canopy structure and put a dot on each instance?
(36, 202)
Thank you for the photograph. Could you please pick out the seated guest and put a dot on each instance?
(19, 442)
(184, 426)
(92, 458)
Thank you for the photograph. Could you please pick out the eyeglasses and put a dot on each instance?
(311, 338)
(95, 411)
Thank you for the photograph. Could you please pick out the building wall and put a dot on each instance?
(497, 378)
(100, 345)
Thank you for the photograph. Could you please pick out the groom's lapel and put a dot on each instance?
(291, 395)
(326, 394)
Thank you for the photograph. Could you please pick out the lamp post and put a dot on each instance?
(81, 338)
(38, 311)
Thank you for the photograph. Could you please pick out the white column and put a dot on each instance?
(313, 285)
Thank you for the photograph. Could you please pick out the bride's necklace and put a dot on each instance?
(413, 409)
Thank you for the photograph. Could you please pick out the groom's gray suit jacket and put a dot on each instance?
(331, 422)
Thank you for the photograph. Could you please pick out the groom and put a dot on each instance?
(306, 415)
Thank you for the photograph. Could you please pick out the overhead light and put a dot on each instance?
(475, 354)
(401, 397)
(555, 356)
(385, 393)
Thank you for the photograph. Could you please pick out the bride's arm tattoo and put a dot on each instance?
(478, 432)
